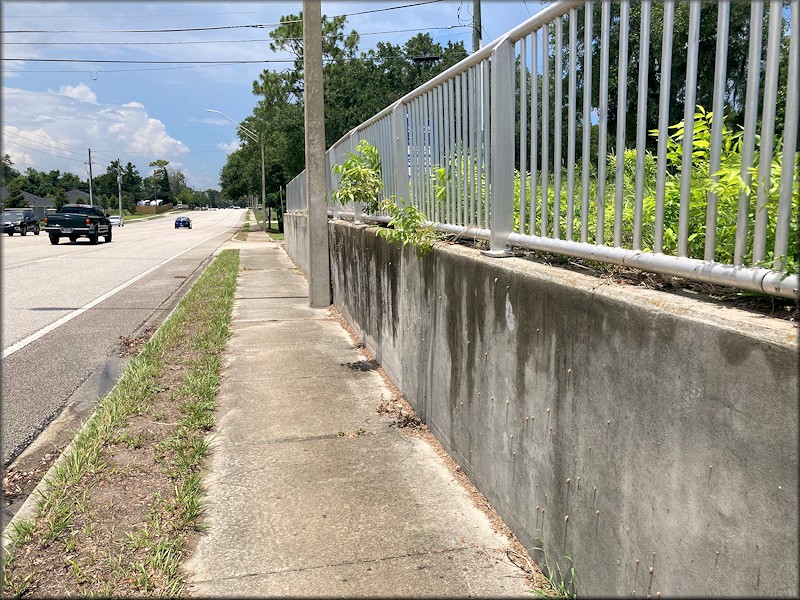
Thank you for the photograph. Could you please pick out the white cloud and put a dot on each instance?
(80, 92)
(230, 147)
(63, 125)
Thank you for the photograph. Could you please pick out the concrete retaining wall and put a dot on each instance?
(295, 228)
(664, 427)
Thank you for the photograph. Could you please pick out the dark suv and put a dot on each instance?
(20, 221)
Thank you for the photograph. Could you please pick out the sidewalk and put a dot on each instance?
(310, 492)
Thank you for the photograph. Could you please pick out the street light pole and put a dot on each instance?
(256, 137)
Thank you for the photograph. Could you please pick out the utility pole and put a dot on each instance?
(90, 176)
(477, 30)
(263, 184)
(319, 263)
(119, 188)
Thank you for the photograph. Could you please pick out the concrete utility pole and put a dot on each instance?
(318, 259)
(477, 31)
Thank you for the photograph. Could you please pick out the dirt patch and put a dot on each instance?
(131, 346)
(19, 484)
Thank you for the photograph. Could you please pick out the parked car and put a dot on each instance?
(183, 222)
(20, 221)
(116, 220)
(78, 220)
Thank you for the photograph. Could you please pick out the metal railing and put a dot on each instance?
(480, 149)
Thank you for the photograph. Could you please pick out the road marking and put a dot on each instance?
(66, 318)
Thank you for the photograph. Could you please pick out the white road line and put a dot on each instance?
(66, 318)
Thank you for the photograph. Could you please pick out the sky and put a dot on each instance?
(138, 111)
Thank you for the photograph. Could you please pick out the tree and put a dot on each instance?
(60, 198)
(160, 179)
(177, 181)
(9, 172)
(185, 196)
(15, 198)
(106, 184)
(132, 182)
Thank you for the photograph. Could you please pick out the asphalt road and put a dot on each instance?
(67, 308)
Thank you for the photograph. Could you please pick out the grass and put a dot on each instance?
(87, 537)
(562, 582)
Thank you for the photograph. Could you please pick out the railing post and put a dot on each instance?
(502, 142)
(330, 156)
(357, 206)
(400, 138)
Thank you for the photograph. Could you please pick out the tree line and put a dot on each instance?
(167, 185)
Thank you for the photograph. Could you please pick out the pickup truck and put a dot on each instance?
(78, 220)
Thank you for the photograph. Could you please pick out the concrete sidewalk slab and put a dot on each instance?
(311, 492)
(342, 404)
(281, 283)
(274, 309)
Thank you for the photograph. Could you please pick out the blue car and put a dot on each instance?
(183, 222)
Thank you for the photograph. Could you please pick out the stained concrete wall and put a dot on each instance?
(295, 227)
(664, 427)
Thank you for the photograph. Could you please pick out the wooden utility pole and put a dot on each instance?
(319, 275)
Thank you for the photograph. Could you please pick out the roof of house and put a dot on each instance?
(32, 199)
(76, 196)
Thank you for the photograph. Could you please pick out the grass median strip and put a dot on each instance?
(121, 504)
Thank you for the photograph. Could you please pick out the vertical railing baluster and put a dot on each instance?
(545, 129)
(605, 31)
(487, 140)
(441, 156)
(641, 122)
(788, 173)
(523, 135)
(749, 137)
(665, 72)
(534, 127)
(586, 119)
(622, 111)
(465, 146)
(572, 64)
(558, 71)
(688, 128)
(473, 145)
(720, 80)
(767, 130)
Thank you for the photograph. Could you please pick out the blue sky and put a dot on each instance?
(53, 112)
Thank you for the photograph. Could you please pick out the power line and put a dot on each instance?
(149, 62)
(180, 30)
(189, 42)
(219, 27)
(81, 149)
(202, 62)
(43, 152)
